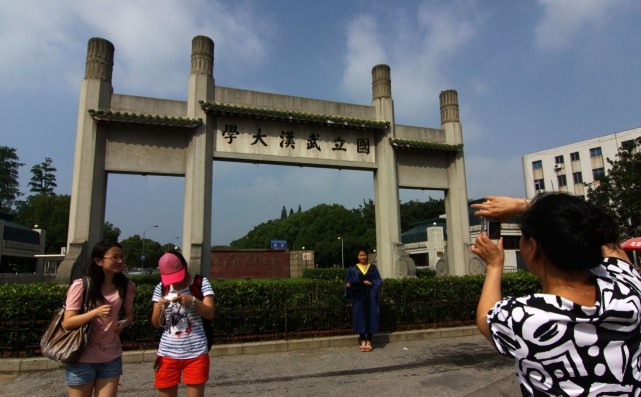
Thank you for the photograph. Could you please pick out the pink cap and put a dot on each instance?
(171, 269)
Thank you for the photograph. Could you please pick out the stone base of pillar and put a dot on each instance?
(73, 265)
(404, 266)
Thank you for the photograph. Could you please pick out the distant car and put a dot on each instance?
(135, 271)
(147, 270)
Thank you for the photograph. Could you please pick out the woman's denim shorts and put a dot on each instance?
(83, 373)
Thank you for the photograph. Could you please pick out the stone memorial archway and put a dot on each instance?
(137, 135)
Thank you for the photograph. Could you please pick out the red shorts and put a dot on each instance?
(195, 371)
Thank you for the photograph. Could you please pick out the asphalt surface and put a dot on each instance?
(452, 366)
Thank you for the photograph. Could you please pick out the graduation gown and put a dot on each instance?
(365, 310)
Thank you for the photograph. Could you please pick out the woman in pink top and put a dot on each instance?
(100, 365)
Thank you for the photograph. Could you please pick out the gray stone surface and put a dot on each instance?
(445, 366)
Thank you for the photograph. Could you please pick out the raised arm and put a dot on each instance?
(494, 257)
(500, 207)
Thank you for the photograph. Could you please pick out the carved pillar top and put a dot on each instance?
(100, 59)
(202, 55)
(449, 106)
(381, 82)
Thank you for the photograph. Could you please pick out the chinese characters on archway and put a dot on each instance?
(288, 140)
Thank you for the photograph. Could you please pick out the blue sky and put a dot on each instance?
(530, 75)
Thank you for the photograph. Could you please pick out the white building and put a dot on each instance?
(568, 168)
(425, 243)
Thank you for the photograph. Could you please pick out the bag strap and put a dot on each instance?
(165, 288)
(197, 287)
(85, 294)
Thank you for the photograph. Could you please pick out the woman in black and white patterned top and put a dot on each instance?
(582, 335)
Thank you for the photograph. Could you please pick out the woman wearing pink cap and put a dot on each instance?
(183, 348)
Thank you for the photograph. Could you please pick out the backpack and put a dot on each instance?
(196, 289)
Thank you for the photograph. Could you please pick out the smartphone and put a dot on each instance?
(491, 227)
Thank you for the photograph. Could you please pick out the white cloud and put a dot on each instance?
(417, 47)
(364, 52)
(152, 39)
(563, 22)
(34, 39)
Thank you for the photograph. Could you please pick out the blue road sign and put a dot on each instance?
(279, 244)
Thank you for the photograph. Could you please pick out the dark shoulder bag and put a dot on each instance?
(66, 346)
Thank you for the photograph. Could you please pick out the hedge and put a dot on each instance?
(267, 309)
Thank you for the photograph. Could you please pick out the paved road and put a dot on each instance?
(459, 366)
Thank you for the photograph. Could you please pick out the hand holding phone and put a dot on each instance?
(171, 296)
(491, 227)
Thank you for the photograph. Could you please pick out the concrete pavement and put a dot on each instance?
(436, 362)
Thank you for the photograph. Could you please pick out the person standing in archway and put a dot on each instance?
(363, 284)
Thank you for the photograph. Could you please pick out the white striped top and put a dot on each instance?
(184, 336)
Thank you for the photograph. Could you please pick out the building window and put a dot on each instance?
(595, 152)
(578, 178)
(537, 165)
(562, 180)
(558, 160)
(574, 156)
(597, 172)
(539, 184)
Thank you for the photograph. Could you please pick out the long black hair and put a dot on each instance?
(97, 275)
(569, 230)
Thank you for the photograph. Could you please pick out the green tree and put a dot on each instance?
(111, 232)
(619, 192)
(283, 213)
(317, 229)
(414, 211)
(9, 185)
(50, 213)
(43, 180)
(132, 246)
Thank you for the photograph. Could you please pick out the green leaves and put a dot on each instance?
(619, 192)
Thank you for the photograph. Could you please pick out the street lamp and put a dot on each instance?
(142, 254)
(342, 252)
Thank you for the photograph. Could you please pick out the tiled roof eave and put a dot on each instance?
(101, 116)
(424, 145)
(293, 117)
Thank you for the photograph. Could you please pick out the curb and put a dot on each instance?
(278, 346)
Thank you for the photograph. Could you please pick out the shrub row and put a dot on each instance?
(267, 309)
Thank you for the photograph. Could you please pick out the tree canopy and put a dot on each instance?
(319, 228)
(43, 179)
(133, 246)
(619, 192)
(50, 213)
(9, 172)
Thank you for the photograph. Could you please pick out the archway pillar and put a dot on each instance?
(198, 160)
(89, 186)
(456, 204)
(387, 207)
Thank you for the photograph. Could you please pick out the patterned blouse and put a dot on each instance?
(562, 348)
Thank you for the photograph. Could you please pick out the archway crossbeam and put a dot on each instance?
(424, 145)
(326, 120)
(137, 118)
